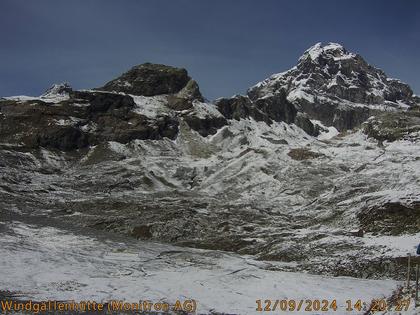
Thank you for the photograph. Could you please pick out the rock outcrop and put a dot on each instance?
(391, 126)
(85, 118)
(67, 119)
(181, 91)
(268, 109)
(391, 218)
(153, 79)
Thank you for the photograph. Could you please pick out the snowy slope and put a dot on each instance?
(44, 263)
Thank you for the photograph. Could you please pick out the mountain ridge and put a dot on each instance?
(329, 85)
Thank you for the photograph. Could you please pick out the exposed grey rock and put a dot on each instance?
(177, 103)
(236, 107)
(63, 138)
(416, 98)
(306, 125)
(86, 118)
(191, 92)
(342, 117)
(268, 109)
(102, 102)
(205, 125)
(276, 108)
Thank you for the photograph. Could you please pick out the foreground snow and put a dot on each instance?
(52, 263)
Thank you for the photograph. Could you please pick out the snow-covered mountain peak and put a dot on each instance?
(57, 93)
(57, 89)
(328, 78)
(330, 50)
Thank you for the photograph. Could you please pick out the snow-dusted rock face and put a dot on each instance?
(57, 90)
(336, 87)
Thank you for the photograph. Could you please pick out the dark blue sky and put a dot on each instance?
(225, 45)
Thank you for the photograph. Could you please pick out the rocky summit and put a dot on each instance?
(316, 168)
(151, 79)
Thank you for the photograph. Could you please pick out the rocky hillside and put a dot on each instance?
(317, 168)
